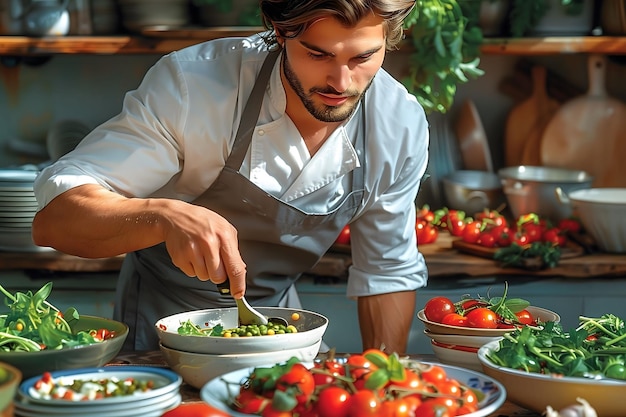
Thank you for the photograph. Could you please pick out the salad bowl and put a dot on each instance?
(81, 356)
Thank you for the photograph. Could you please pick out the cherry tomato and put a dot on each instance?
(398, 407)
(195, 409)
(486, 239)
(358, 365)
(333, 401)
(434, 374)
(426, 232)
(411, 381)
(482, 318)
(555, 236)
(298, 379)
(437, 308)
(436, 407)
(524, 317)
(344, 236)
(570, 224)
(454, 319)
(364, 403)
(471, 232)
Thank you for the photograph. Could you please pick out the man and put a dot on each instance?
(243, 159)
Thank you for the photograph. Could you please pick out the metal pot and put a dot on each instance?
(531, 189)
(473, 191)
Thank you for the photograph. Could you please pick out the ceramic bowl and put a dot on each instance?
(460, 340)
(311, 327)
(463, 356)
(197, 369)
(539, 313)
(97, 354)
(601, 212)
(10, 378)
(536, 391)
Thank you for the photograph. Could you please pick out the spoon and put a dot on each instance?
(247, 314)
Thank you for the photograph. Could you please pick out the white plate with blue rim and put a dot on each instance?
(164, 391)
(220, 391)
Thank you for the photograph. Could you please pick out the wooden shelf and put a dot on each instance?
(609, 45)
(162, 41)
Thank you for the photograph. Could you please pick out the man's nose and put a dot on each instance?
(340, 78)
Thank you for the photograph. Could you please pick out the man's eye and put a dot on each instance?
(316, 56)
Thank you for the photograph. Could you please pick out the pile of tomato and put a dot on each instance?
(369, 384)
(479, 313)
(490, 228)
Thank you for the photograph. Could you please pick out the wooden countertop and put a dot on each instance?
(442, 260)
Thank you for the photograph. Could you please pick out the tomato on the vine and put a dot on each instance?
(364, 403)
(471, 231)
(483, 318)
(299, 381)
(333, 401)
(437, 308)
(437, 407)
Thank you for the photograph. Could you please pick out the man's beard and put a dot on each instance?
(322, 112)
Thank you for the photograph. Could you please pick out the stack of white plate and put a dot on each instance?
(17, 210)
(164, 396)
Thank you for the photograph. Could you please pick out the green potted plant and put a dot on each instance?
(446, 37)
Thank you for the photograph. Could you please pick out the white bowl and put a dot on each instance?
(537, 312)
(311, 327)
(461, 340)
(197, 369)
(601, 212)
(536, 391)
(465, 357)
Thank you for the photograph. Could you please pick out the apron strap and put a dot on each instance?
(250, 114)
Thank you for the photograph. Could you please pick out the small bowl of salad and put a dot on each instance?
(37, 337)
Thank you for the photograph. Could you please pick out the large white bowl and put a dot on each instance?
(536, 391)
(601, 212)
(311, 327)
(219, 392)
(537, 312)
(197, 369)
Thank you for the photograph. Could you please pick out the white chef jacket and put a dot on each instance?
(176, 129)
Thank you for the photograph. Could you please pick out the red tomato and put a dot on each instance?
(434, 374)
(249, 402)
(358, 366)
(454, 319)
(344, 236)
(195, 409)
(333, 401)
(437, 308)
(471, 232)
(555, 236)
(524, 317)
(299, 379)
(482, 318)
(570, 225)
(436, 407)
(411, 381)
(271, 412)
(398, 407)
(364, 403)
(426, 233)
(486, 239)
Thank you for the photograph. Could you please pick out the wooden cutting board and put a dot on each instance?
(588, 132)
(526, 122)
(472, 139)
(544, 109)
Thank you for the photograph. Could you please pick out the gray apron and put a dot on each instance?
(277, 241)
